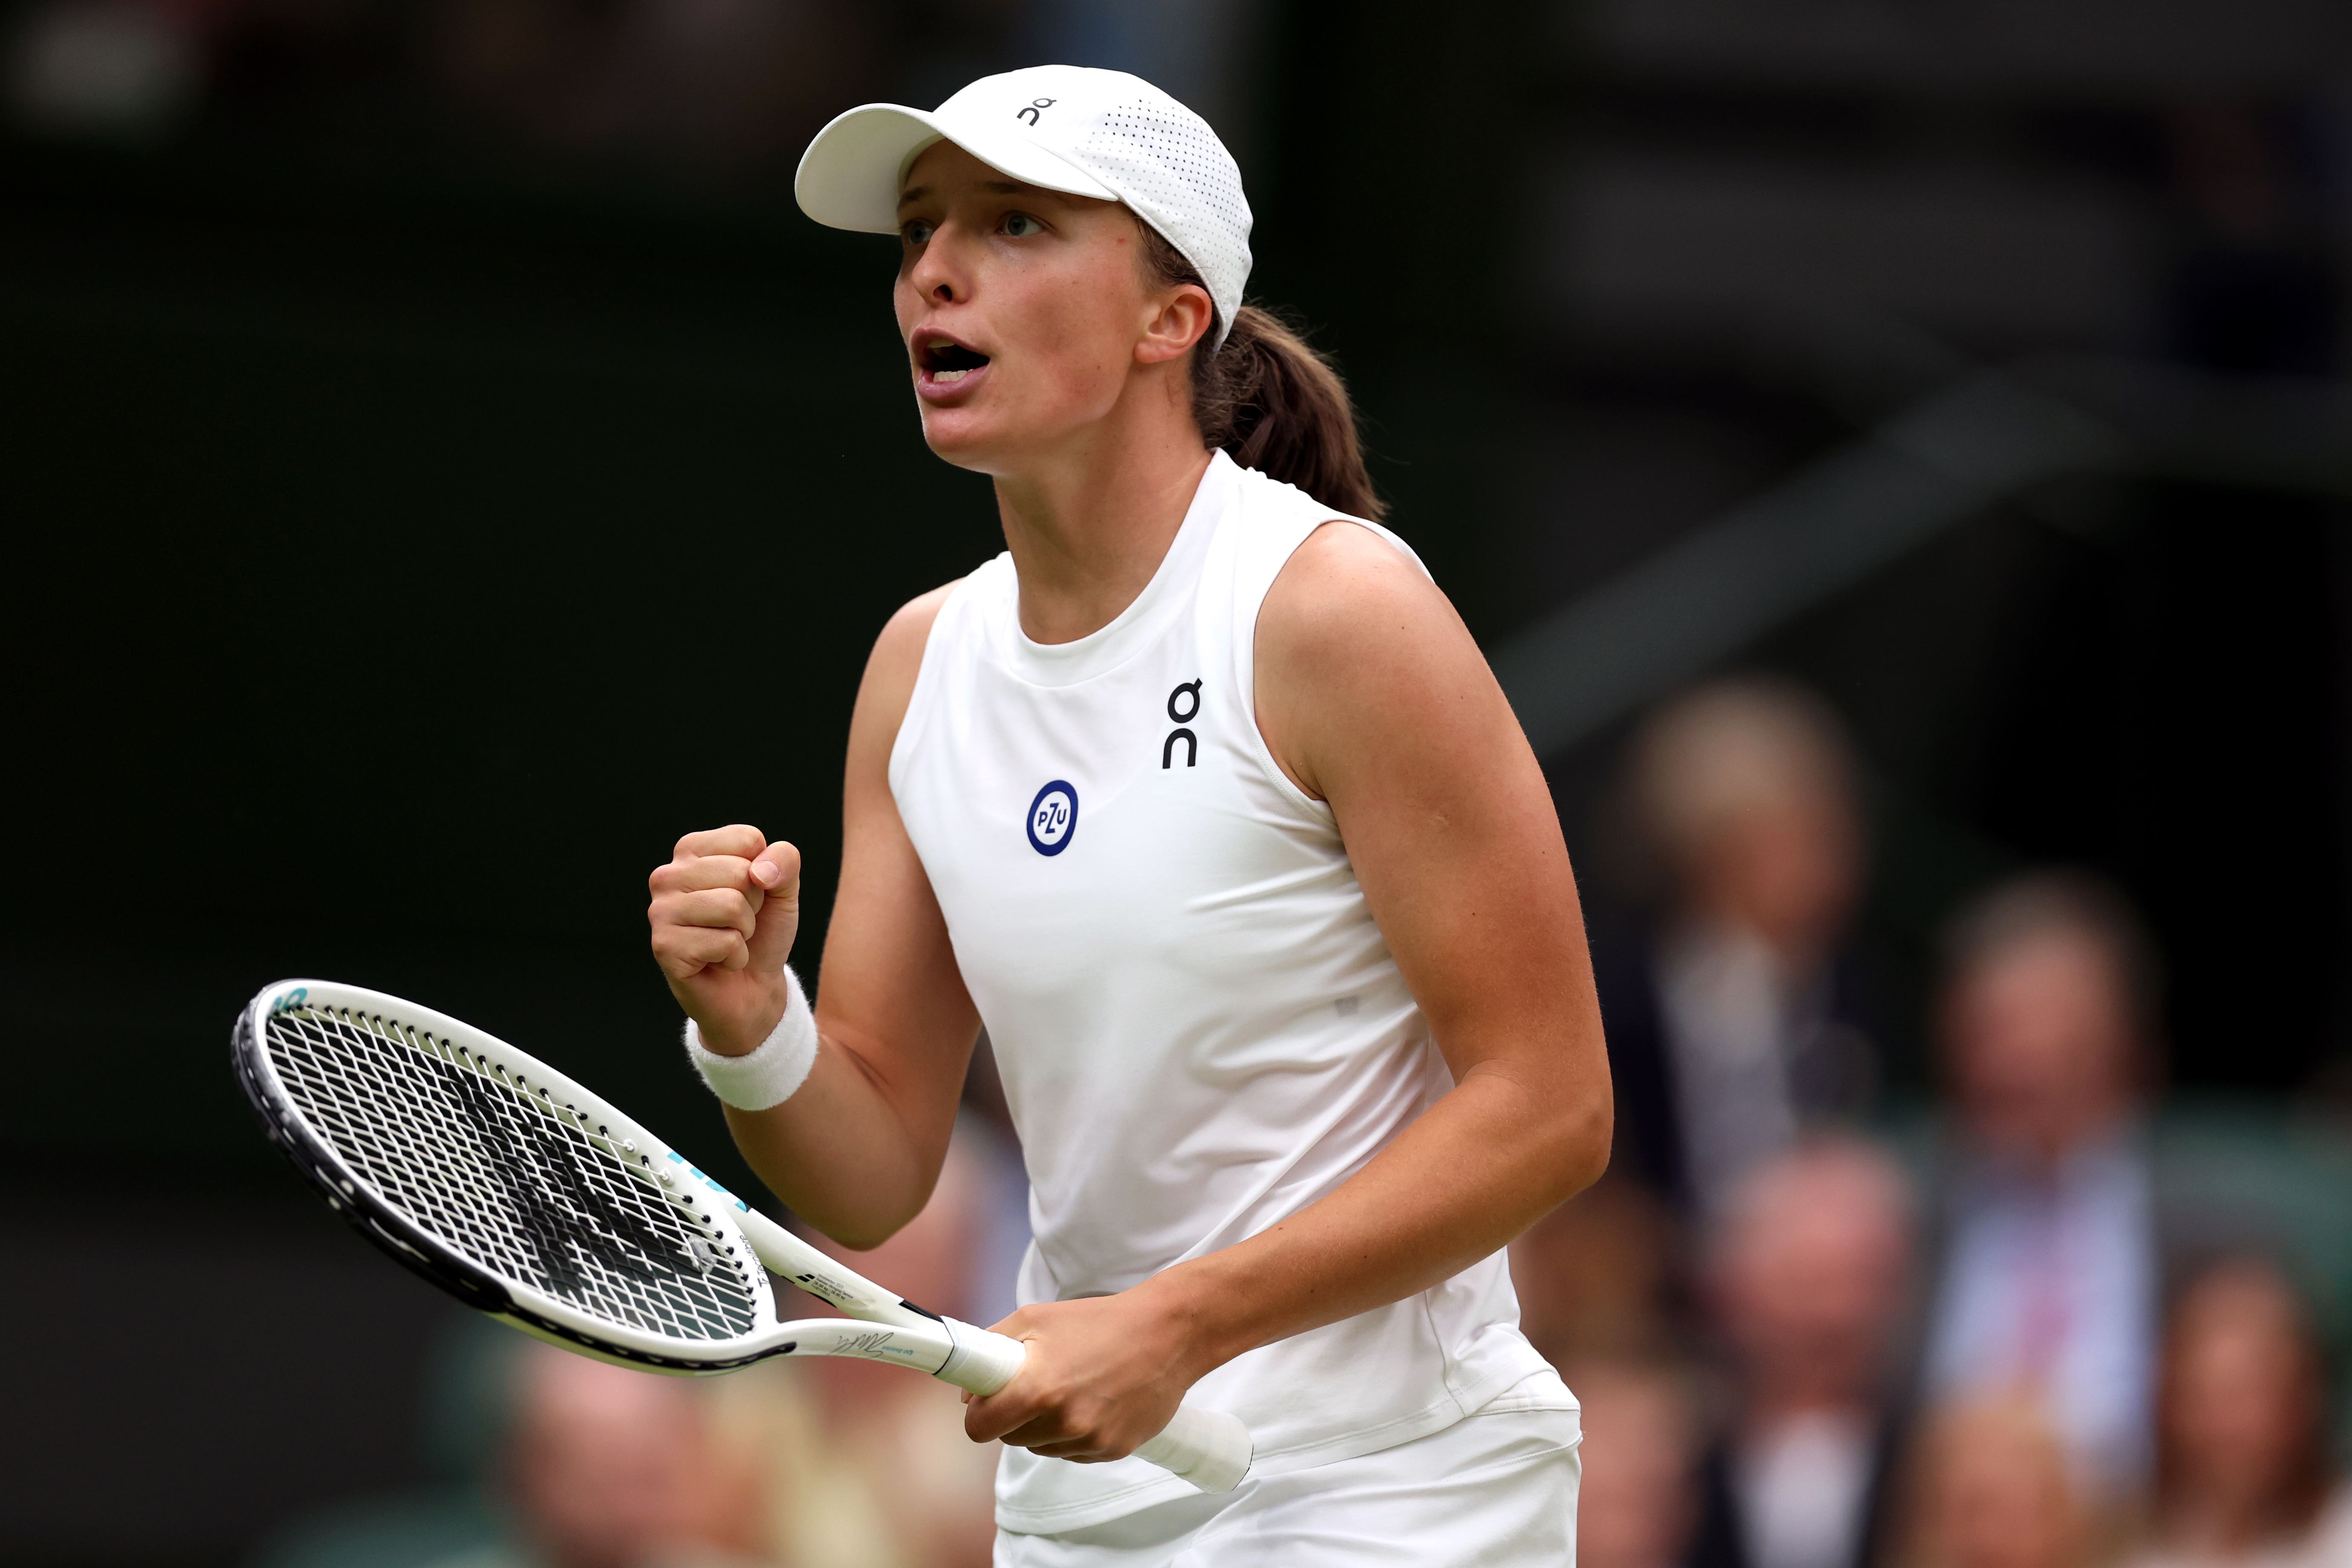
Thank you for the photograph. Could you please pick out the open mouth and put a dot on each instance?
(945, 360)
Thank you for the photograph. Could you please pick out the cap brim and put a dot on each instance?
(849, 176)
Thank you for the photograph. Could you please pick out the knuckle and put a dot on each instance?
(714, 871)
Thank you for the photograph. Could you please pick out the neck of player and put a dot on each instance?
(1089, 520)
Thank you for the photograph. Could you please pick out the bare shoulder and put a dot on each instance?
(1354, 640)
(891, 668)
(1342, 583)
(1349, 609)
(897, 655)
(900, 645)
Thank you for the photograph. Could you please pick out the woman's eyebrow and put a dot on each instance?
(1000, 187)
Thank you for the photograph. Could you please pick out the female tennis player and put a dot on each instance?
(1201, 799)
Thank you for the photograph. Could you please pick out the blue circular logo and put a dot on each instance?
(1052, 818)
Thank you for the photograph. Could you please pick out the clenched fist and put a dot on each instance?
(724, 912)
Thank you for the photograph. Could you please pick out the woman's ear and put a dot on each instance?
(1181, 320)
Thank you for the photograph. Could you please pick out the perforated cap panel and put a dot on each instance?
(1171, 167)
(531, 1190)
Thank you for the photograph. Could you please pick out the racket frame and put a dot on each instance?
(699, 1202)
(1209, 1448)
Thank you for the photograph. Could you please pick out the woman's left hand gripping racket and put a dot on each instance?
(521, 1194)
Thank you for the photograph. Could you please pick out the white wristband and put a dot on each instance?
(769, 1075)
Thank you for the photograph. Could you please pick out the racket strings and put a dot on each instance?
(506, 1177)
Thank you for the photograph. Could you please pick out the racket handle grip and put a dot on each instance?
(981, 1362)
(1207, 1448)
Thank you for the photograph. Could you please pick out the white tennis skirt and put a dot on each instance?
(1496, 1489)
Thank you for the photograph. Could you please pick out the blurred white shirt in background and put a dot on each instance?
(1804, 1491)
(2049, 1288)
(1729, 1026)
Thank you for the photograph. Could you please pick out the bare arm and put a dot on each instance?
(1373, 697)
(857, 1148)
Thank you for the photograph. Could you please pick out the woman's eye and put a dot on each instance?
(917, 232)
(1020, 225)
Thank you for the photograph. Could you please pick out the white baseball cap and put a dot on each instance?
(1088, 132)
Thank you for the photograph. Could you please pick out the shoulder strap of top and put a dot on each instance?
(1271, 519)
(1277, 519)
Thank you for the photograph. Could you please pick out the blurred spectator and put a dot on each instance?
(557, 1461)
(2242, 1477)
(798, 1463)
(1594, 1276)
(2050, 1254)
(1638, 1499)
(866, 1464)
(610, 1467)
(1737, 1023)
(1991, 1488)
(1811, 1278)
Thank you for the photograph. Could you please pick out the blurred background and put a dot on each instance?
(1895, 452)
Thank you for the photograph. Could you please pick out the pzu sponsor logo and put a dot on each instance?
(1052, 818)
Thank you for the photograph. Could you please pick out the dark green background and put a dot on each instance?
(403, 546)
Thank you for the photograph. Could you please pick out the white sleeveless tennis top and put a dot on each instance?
(1200, 1028)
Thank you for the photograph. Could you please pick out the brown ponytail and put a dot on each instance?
(1271, 401)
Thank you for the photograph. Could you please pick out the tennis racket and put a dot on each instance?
(521, 1194)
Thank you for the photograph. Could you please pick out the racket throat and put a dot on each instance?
(800, 1264)
(925, 1348)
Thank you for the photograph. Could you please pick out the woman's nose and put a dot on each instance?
(935, 276)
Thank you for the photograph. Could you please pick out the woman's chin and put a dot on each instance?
(958, 435)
